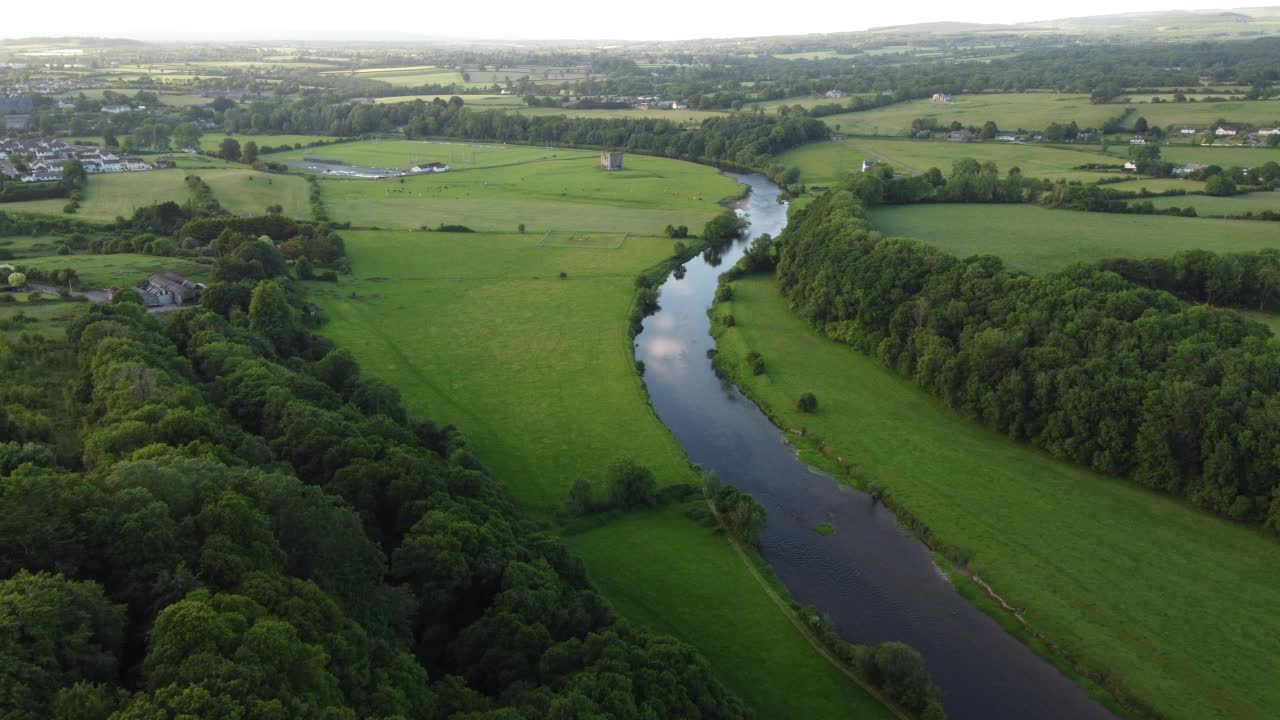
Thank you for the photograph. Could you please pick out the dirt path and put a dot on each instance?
(804, 629)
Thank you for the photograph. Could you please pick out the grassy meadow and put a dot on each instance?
(480, 330)
(107, 196)
(404, 154)
(1178, 604)
(104, 271)
(1038, 240)
(824, 163)
(1234, 205)
(249, 191)
(556, 193)
(212, 142)
(1030, 111)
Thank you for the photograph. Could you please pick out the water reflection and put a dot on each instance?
(876, 582)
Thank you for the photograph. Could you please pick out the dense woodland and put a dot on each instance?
(1096, 370)
(221, 517)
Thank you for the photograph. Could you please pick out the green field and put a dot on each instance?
(403, 154)
(824, 163)
(116, 194)
(675, 116)
(1030, 111)
(554, 194)
(1180, 605)
(27, 246)
(481, 331)
(1156, 185)
(1221, 155)
(1235, 205)
(1038, 240)
(124, 269)
(249, 191)
(485, 101)
(1035, 111)
(48, 318)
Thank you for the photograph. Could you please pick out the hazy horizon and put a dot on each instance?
(149, 20)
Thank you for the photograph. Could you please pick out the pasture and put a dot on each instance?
(825, 163)
(1235, 205)
(107, 196)
(1011, 111)
(249, 191)
(210, 143)
(558, 193)
(484, 101)
(121, 270)
(1178, 605)
(1221, 155)
(1157, 185)
(403, 154)
(1202, 114)
(480, 330)
(675, 116)
(1037, 240)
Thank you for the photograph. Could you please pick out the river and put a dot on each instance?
(873, 579)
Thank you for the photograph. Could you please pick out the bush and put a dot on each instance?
(581, 499)
(756, 363)
(807, 403)
(728, 320)
(724, 293)
(630, 485)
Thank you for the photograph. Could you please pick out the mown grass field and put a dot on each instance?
(675, 116)
(403, 154)
(1038, 240)
(824, 163)
(558, 193)
(1222, 155)
(1180, 605)
(1253, 112)
(479, 330)
(1234, 205)
(1030, 111)
(249, 191)
(110, 195)
(1155, 185)
(124, 269)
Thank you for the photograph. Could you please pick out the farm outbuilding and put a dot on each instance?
(610, 160)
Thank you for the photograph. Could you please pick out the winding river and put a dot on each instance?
(876, 581)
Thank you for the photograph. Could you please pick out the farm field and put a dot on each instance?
(1221, 155)
(555, 194)
(805, 102)
(824, 163)
(43, 317)
(540, 332)
(486, 101)
(637, 560)
(249, 191)
(1253, 112)
(1156, 185)
(103, 271)
(26, 246)
(403, 154)
(676, 116)
(116, 194)
(1030, 111)
(1151, 610)
(1038, 240)
(1234, 205)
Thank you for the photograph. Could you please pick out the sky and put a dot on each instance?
(560, 19)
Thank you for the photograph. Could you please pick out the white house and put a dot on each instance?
(1007, 137)
(1225, 132)
(868, 164)
(1137, 140)
(115, 109)
(836, 94)
(1269, 131)
(1188, 131)
(942, 98)
(1131, 165)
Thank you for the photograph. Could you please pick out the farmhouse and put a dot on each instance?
(610, 160)
(836, 94)
(169, 289)
(960, 135)
(1007, 137)
(868, 164)
(1188, 131)
(1268, 131)
(1131, 165)
(942, 98)
(434, 167)
(1137, 140)
(1189, 168)
(1226, 132)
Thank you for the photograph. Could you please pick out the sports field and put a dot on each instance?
(1038, 240)
(480, 330)
(824, 163)
(1176, 603)
(556, 193)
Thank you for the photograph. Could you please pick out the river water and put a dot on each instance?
(873, 579)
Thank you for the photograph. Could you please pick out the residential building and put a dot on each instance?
(942, 98)
(1226, 132)
(868, 164)
(169, 289)
(836, 94)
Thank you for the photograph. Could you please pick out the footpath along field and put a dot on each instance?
(1037, 240)
(479, 329)
(1180, 606)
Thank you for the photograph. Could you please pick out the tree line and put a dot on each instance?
(1126, 380)
(221, 516)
